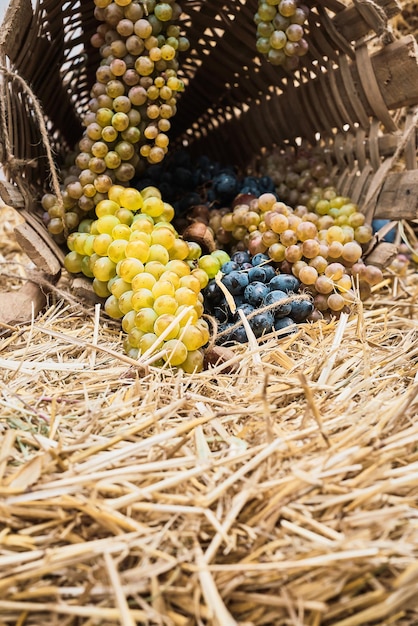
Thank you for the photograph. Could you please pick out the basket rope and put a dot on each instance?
(14, 164)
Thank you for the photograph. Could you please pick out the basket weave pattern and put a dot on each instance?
(354, 92)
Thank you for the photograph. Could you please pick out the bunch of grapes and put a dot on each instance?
(149, 276)
(320, 244)
(296, 171)
(268, 300)
(132, 101)
(280, 31)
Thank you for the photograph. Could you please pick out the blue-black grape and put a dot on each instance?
(270, 272)
(255, 293)
(241, 256)
(257, 274)
(260, 258)
(285, 322)
(285, 282)
(246, 308)
(229, 266)
(235, 282)
(226, 186)
(275, 297)
(213, 294)
(262, 323)
(220, 313)
(239, 334)
(301, 310)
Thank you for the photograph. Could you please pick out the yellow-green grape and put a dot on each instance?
(209, 264)
(149, 342)
(117, 286)
(138, 249)
(128, 321)
(201, 275)
(158, 253)
(106, 207)
(165, 304)
(204, 328)
(144, 280)
(101, 243)
(131, 199)
(134, 337)
(121, 231)
(129, 268)
(104, 269)
(125, 301)
(171, 277)
(179, 267)
(163, 287)
(116, 250)
(165, 321)
(100, 288)
(192, 337)
(191, 317)
(142, 298)
(153, 206)
(155, 268)
(175, 352)
(193, 363)
(191, 282)
(186, 296)
(107, 223)
(85, 267)
(145, 319)
(179, 250)
(111, 307)
(72, 262)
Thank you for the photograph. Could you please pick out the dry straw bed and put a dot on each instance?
(284, 492)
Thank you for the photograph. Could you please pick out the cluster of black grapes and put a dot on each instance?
(185, 183)
(268, 300)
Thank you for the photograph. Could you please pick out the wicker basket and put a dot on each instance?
(355, 95)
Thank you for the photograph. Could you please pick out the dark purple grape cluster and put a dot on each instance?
(268, 300)
(185, 182)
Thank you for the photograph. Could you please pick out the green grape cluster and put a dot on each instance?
(320, 243)
(132, 101)
(295, 171)
(149, 276)
(280, 31)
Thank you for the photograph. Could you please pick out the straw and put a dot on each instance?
(272, 494)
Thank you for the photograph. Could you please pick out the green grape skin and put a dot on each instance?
(192, 337)
(193, 363)
(125, 301)
(104, 269)
(175, 352)
(128, 321)
(129, 268)
(145, 319)
(134, 337)
(111, 307)
(163, 322)
(72, 262)
(142, 299)
(100, 288)
(165, 304)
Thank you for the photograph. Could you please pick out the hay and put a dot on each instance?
(284, 493)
